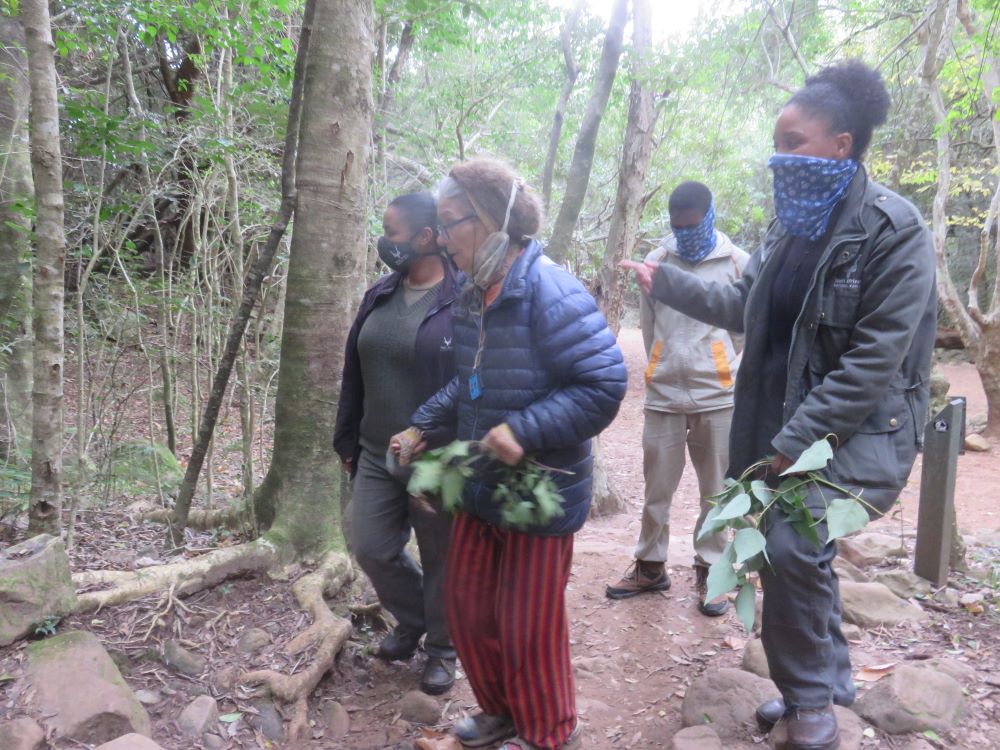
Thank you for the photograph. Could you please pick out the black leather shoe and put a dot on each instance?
(439, 675)
(715, 608)
(483, 729)
(812, 729)
(769, 713)
(398, 645)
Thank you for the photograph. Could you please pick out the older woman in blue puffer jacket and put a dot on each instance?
(539, 374)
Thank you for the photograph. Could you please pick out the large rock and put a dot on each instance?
(419, 708)
(755, 660)
(962, 673)
(337, 720)
(848, 571)
(696, 738)
(870, 548)
(80, 692)
(913, 700)
(726, 699)
(851, 731)
(130, 742)
(35, 583)
(976, 443)
(253, 640)
(21, 734)
(904, 583)
(871, 605)
(181, 660)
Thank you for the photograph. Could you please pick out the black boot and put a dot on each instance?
(812, 729)
(399, 645)
(439, 675)
(769, 713)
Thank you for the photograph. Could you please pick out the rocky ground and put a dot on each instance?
(925, 660)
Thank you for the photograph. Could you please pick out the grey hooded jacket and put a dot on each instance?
(860, 356)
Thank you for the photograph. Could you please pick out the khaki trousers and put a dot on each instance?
(664, 436)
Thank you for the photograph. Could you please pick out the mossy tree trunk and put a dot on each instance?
(15, 266)
(299, 500)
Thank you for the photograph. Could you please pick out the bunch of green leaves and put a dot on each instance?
(743, 505)
(526, 492)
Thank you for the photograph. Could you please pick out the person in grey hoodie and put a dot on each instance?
(839, 311)
(689, 397)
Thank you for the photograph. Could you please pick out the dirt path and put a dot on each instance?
(633, 659)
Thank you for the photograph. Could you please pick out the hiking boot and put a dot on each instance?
(640, 578)
(717, 606)
(399, 645)
(483, 729)
(439, 675)
(769, 713)
(812, 729)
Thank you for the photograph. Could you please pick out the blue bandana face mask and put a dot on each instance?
(695, 243)
(806, 190)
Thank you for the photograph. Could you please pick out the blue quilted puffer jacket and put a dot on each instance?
(550, 368)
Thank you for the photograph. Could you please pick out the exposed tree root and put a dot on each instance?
(234, 518)
(184, 577)
(328, 632)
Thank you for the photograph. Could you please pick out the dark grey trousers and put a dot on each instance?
(382, 516)
(805, 647)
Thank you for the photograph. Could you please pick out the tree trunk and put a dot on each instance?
(15, 251)
(251, 290)
(298, 500)
(583, 154)
(50, 261)
(572, 71)
(637, 146)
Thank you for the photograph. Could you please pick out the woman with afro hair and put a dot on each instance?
(838, 308)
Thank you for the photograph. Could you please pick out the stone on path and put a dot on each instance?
(962, 673)
(913, 700)
(904, 583)
(253, 640)
(21, 734)
(181, 660)
(419, 708)
(851, 632)
(976, 443)
(35, 583)
(871, 605)
(697, 738)
(130, 742)
(726, 699)
(848, 571)
(870, 548)
(80, 692)
(148, 697)
(213, 741)
(851, 731)
(337, 720)
(267, 721)
(199, 716)
(754, 659)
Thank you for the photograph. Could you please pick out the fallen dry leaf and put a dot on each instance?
(875, 672)
(432, 740)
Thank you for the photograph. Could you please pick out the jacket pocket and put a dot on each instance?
(720, 358)
(654, 360)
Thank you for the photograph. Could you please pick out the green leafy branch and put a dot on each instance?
(743, 505)
(526, 492)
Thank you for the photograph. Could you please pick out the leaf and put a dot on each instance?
(747, 543)
(452, 485)
(721, 579)
(813, 458)
(427, 476)
(711, 524)
(802, 522)
(230, 718)
(932, 735)
(455, 449)
(875, 672)
(746, 605)
(735, 508)
(761, 491)
(844, 516)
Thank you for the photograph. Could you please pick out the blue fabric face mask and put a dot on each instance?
(806, 190)
(695, 243)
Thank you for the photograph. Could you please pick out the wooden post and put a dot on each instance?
(944, 439)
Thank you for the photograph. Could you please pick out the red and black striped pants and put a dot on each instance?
(505, 596)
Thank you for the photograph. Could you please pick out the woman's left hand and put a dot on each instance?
(501, 443)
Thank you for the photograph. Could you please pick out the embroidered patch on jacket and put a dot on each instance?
(721, 359)
(654, 360)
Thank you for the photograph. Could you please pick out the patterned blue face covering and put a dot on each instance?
(806, 190)
(694, 243)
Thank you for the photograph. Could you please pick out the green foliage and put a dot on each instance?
(15, 490)
(135, 465)
(526, 493)
(743, 505)
(47, 627)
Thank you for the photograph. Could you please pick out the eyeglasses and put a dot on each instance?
(444, 229)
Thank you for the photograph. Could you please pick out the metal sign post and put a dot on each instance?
(944, 439)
